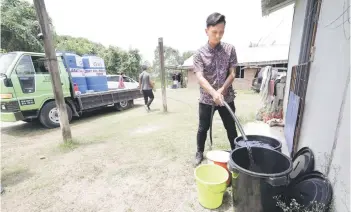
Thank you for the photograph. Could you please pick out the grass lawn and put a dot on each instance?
(120, 161)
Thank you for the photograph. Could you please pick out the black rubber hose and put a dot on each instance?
(236, 121)
(212, 113)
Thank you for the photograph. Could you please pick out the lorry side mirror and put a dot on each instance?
(8, 82)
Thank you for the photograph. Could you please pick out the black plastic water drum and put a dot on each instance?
(253, 190)
(311, 190)
(259, 140)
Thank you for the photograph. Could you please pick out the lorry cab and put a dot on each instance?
(26, 85)
(27, 93)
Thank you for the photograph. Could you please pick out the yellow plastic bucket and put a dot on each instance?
(211, 184)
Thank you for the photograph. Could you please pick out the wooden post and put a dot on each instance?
(53, 68)
(166, 75)
(163, 74)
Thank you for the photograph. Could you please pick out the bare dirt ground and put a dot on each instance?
(123, 161)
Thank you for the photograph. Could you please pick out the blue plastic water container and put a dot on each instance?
(81, 83)
(75, 67)
(95, 73)
(97, 83)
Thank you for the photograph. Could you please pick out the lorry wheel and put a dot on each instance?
(124, 105)
(49, 115)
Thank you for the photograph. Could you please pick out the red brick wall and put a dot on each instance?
(246, 82)
(192, 81)
(239, 83)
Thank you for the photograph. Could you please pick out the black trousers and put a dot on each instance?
(205, 121)
(148, 94)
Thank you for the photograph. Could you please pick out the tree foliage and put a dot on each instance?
(114, 58)
(20, 27)
(132, 62)
(80, 46)
(186, 55)
(172, 57)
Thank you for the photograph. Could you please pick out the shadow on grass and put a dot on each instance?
(23, 129)
(14, 176)
(69, 146)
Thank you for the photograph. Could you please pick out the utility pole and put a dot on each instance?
(163, 74)
(53, 68)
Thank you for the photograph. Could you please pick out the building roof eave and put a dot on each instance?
(270, 6)
(275, 62)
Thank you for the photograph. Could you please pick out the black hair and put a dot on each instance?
(144, 67)
(214, 19)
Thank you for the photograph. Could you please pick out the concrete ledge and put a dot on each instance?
(261, 128)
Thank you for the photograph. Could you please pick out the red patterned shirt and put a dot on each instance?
(215, 64)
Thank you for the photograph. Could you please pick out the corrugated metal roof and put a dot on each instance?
(188, 62)
(257, 55)
(270, 6)
(263, 54)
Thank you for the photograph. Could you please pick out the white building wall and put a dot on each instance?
(328, 74)
(339, 173)
(321, 126)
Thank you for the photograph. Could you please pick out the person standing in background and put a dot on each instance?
(121, 82)
(174, 81)
(146, 87)
(178, 80)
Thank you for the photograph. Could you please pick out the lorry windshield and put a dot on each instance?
(5, 61)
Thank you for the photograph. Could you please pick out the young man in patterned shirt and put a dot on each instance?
(214, 66)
